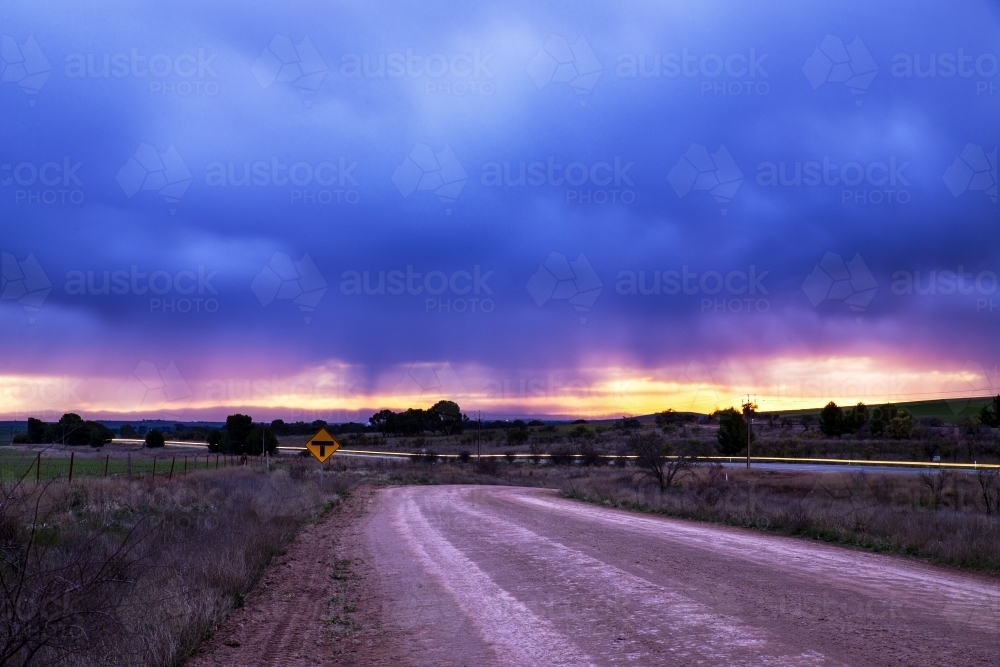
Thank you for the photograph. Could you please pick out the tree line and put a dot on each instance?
(71, 429)
(443, 417)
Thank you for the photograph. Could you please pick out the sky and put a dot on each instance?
(559, 209)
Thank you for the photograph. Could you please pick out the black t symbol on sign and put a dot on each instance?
(322, 451)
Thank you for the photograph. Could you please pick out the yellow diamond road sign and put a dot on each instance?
(322, 445)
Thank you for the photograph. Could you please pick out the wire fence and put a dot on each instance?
(38, 466)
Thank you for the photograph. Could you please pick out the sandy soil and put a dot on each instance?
(454, 575)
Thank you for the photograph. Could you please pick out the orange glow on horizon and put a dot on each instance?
(338, 389)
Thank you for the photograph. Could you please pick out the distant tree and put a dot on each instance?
(668, 419)
(155, 438)
(70, 430)
(36, 430)
(536, 422)
(382, 421)
(579, 421)
(901, 426)
(449, 415)
(831, 420)
(517, 436)
(990, 414)
(238, 428)
(98, 435)
(127, 431)
(259, 440)
(732, 436)
(880, 417)
(855, 418)
(627, 424)
(415, 421)
(214, 440)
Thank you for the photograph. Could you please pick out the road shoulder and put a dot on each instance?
(315, 605)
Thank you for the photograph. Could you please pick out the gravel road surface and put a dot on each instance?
(491, 576)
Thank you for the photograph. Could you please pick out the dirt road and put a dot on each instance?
(512, 576)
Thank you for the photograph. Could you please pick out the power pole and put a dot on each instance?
(479, 440)
(748, 409)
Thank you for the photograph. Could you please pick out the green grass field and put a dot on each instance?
(950, 410)
(17, 465)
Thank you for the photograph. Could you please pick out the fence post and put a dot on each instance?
(128, 466)
(171, 475)
(185, 465)
(107, 460)
(216, 461)
(154, 468)
(71, 455)
(38, 468)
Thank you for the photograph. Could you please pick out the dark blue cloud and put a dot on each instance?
(198, 146)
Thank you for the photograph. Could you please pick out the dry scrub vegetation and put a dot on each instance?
(941, 516)
(112, 572)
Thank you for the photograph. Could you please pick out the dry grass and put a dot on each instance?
(112, 572)
(941, 517)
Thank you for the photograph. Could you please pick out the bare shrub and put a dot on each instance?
(658, 459)
(710, 487)
(561, 456)
(488, 466)
(935, 484)
(589, 456)
(988, 483)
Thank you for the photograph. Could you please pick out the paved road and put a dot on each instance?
(854, 467)
(513, 576)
